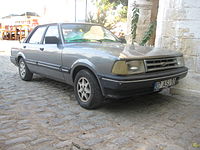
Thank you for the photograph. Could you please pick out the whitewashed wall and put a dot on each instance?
(178, 28)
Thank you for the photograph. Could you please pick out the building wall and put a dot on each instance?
(178, 28)
(59, 12)
(67, 11)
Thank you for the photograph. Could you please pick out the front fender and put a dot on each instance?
(15, 54)
(87, 64)
(20, 54)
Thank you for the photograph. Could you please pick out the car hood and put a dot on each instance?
(128, 51)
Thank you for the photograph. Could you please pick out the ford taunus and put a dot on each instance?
(96, 62)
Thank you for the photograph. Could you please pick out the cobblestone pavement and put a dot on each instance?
(44, 115)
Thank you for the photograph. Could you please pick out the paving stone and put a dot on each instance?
(44, 123)
(4, 107)
(17, 140)
(40, 109)
(45, 147)
(23, 121)
(87, 136)
(174, 147)
(2, 138)
(39, 141)
(68, 131)
(4, 117)
(24, 114)
(18, 147)
(104, 130)
(121, 140)
(6, 131)
(87, 127)
(56, 121)
(63, 144)
(23, 126)
(45, 115)
(94, 141)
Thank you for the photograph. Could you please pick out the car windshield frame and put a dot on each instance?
(91, 40)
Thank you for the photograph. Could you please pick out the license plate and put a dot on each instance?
(164, 84)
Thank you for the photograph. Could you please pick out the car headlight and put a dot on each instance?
(180, 61)
(128, 67)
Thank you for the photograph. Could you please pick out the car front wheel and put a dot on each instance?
(24, 72)
(87, 90)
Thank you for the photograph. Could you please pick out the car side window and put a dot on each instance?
(52, 31)
(37, 35)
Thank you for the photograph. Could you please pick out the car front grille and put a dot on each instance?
(160, 64)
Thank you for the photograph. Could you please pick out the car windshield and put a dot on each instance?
(86, 33)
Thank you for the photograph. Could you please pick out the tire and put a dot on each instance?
(87, 90)
(24, 72)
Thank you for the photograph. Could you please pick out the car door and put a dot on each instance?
(31, 48)
(50, 55)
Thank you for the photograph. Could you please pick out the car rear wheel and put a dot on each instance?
(24, 72)
(87, 90)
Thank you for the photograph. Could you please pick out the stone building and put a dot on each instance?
(178, 28)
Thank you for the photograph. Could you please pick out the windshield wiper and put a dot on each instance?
(106, 40)
(84, 40)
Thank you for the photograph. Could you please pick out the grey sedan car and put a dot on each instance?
(96, 63)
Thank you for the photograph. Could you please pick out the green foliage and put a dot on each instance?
(148, 34)
(134, 21)
(108, 14)
(117, 2)
(103, 9)
(123, 12)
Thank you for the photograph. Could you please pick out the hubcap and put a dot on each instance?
(22, 69)
(84, 89)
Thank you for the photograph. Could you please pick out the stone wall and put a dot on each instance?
(178, 28)
(144, 18)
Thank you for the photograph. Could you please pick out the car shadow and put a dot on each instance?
(139, 103)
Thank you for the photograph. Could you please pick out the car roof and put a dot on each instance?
(80, 23)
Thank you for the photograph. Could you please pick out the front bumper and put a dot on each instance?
(121, 86)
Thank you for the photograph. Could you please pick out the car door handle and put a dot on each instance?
(41, 49)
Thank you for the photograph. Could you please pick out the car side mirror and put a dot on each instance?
(51, 40)
(122, 40)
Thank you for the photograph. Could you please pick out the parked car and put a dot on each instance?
(96, 63)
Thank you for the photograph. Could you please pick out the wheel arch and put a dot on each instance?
(19, 56)
(80, 66)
